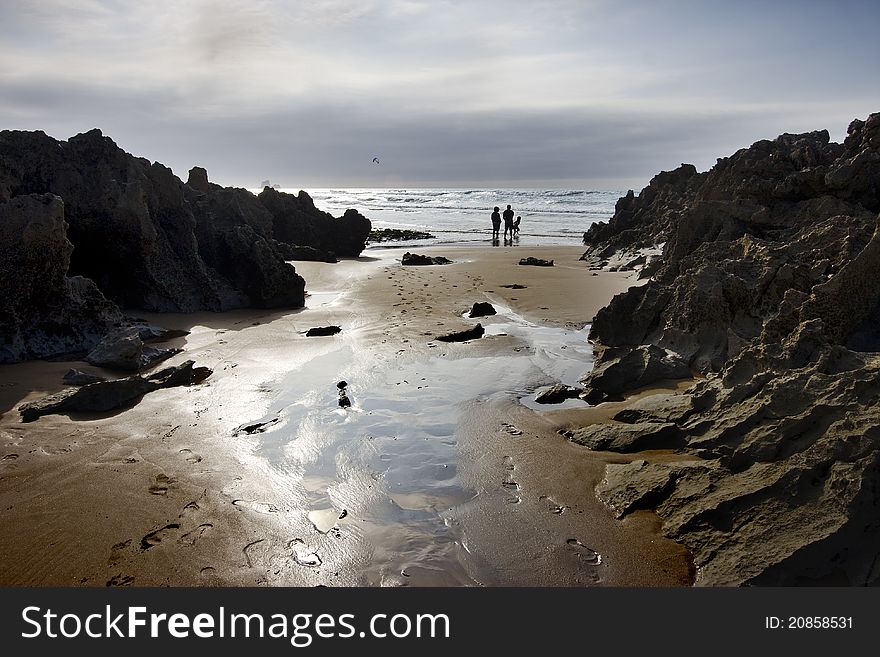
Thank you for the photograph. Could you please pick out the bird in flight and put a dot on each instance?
(376, 160)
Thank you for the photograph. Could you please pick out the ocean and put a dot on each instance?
(462, 216)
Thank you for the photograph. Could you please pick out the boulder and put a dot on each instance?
(536, 262)
(75, 377)
(123, 349)
(110, 395)
(411, 259)
(317, 331)
(482, 309)
(557, 394)
(463, 336)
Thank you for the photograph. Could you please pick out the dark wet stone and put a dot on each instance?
(462, 336)
(322, 330)
(482, 309)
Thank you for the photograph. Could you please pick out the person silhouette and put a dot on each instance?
(508, 222)
(496, 223)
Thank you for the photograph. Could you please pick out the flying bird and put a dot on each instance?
(376, 160)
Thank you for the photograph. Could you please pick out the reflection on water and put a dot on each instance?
(386, 469)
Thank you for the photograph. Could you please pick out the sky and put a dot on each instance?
(582, 94)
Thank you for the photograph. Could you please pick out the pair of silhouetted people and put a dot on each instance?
(510, 226)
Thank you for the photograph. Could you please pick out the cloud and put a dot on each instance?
(491, 91)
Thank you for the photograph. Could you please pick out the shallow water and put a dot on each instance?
(384, 473)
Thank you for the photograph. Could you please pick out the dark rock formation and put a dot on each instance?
(123, 349)
(536, 262)
(397, 235)
(621, 369)
(307, 253)
(482, 309)
(109, 395)
(43, 311)
(463, 336)
(557, 394)
(416, 259)
(322, 331)
(769, 287)
(146, 239)
(296, 221)
(515, 286)
(74, 377)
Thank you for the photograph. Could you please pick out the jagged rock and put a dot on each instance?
(557, 394)
(627, 437)
(641, 485)
(663, 407)
(151, 242)
(768, 285)
(198, 179)
(411, 259)
(123, 349)
(623, 369)
(536, 262)
(462, 336)
(109, 395)
(296, 221)
(43, 311)
(74, 377)
(482, 309)
(318, 331)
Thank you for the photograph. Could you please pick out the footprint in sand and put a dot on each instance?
(120, 580)
(259, 507)
(191, 537)
(303, 555)
(189, 509)
(510, 486)
(511, 429)
(553, 506)
(249, 549)
(190, 456)
(163, 483)
(117, 552)
(588, 555)
(157, 536)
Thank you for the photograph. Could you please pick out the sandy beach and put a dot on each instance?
(442, 472)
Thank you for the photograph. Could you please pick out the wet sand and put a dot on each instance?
(441, 473)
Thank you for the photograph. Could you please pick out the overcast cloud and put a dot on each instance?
(561, 93)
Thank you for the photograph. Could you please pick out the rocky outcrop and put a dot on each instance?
(128, 233)
(768, 287)
(621, 369)
(296, 221)
(412, 259)
(109, 395)
(43, 311)
(123, 349)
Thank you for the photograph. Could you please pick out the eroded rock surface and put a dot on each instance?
(768, 287)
